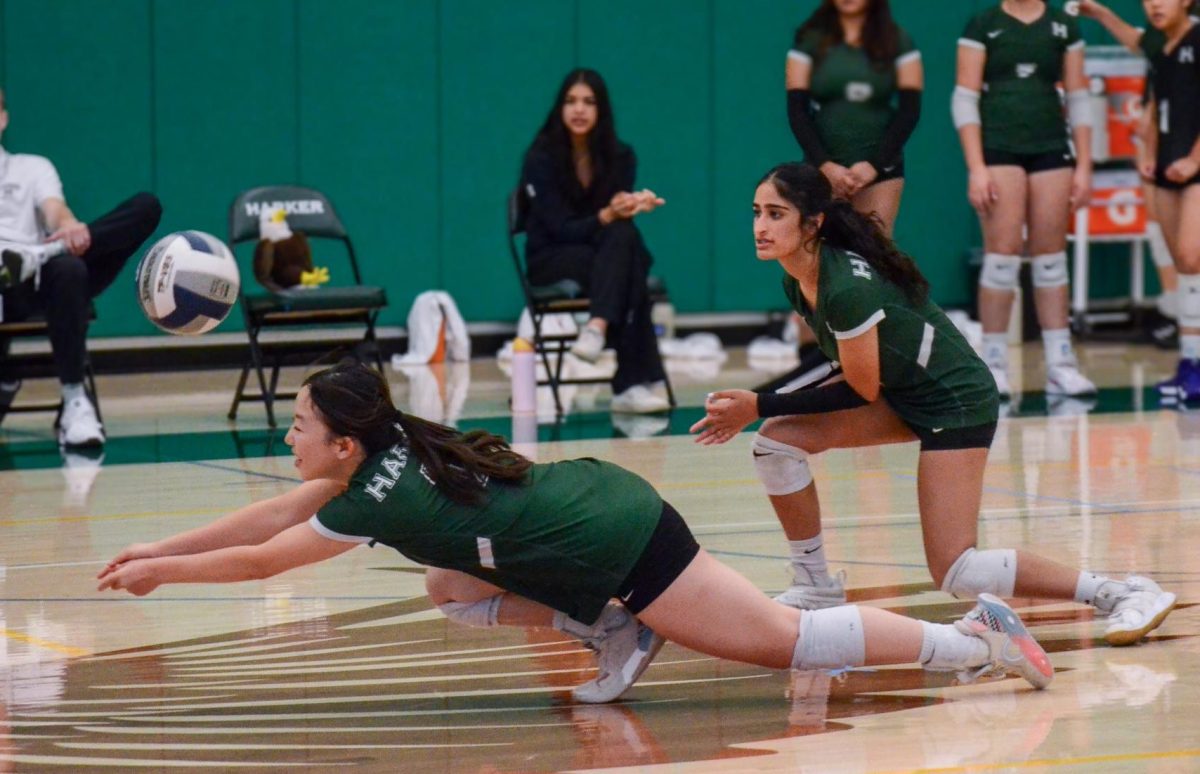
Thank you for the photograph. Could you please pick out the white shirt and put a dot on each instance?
(26, 182)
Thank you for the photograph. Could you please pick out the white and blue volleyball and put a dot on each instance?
(187, 282)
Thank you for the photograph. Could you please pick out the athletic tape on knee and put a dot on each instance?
(482, 613)
(974, 572)
(1050, 270)
(1189, 300)
(1000, 272)
(830, 639)
(782, 469)
(1160, 252)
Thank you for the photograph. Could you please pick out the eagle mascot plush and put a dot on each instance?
(283, 258)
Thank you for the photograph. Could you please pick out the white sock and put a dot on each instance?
(944, 647)
(568, 625)
(995, 350)
(1168, 303)
(1098, 591)
(72, 391)
(1189, 346)
(1058, 347)
(808, 561)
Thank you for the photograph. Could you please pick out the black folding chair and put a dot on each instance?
(564, 296)
(346, 302)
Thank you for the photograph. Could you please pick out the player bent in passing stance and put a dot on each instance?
(526, 544)
(909, 375)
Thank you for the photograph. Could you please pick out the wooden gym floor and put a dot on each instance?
(345, 666)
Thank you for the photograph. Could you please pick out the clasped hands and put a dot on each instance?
(625, 205)
(848, 181)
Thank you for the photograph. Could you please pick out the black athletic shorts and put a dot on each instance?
(1161, 181)
(1030, 162)
(670, 550)
(946, 439)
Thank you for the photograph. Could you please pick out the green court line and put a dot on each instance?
(17, 453)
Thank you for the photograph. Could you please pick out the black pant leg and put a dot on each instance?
(638, 359)
(116, 236)
(63, 294)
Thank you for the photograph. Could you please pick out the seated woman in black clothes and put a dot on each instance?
(579, 178)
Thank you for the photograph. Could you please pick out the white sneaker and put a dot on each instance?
(808, 596)
(1011, 649)
(1000, 374)
(589, 345)
(639, 399)
(1066, 380)
(78, 425)
(1135, 607)
(623, 652)
(21, 262)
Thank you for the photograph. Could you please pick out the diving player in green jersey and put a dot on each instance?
(907, 374)
(516, 543)
(848, 64)
(1172, 44)
(1024, 181)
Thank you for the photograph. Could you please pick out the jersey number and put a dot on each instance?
(1164, 117)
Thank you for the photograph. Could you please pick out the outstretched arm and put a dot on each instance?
(251, 525)
(296, 546)
(1125, 33)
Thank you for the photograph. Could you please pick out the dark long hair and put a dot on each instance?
(554, 139)
(844, 227)
(353, 401)
(880, 34)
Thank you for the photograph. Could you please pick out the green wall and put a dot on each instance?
(413, 114)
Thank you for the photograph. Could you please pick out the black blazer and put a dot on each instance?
(552, 217)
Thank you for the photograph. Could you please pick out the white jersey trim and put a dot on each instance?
(926, 346)
(799, 56)
(911, 56)
(859, 330)
(324, 531)
(1077, 45)
(972, 44)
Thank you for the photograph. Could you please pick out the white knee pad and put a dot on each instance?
(1189, 300)
(482, 613)
(974, 572)
(1000, 272)
(830, 639)
(782, 469)
(1050, 270)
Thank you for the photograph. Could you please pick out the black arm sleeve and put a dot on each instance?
(899, 130)
(805, 131)
(838, 396)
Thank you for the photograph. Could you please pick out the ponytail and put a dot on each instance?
(353, 401)
(846, 228)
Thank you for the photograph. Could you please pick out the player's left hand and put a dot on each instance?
(1182, 170)
(76, 236)
(1081, 188)
(863, 174)
(727, 414)
(137, 577)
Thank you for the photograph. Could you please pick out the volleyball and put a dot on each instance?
(187, 282)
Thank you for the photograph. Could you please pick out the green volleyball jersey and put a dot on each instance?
(929, 374)
(1020, 108)
(852, 94)
(568, 536)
